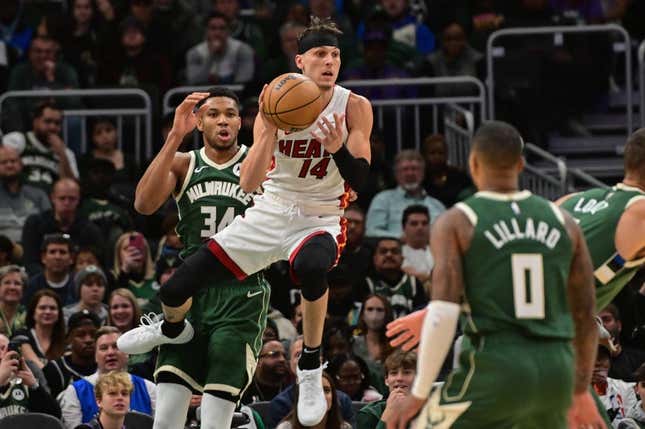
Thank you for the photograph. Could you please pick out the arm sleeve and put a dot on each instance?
(438, 331)
(70, 408)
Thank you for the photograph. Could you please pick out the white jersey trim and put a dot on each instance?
(228, 163)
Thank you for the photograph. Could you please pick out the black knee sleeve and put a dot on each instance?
(199, 269)
(311, 264)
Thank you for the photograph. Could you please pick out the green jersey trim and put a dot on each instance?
(236, 157)
(189, 175)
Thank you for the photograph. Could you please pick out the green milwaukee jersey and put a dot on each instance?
(404, 296)
(210, 198)
(516, 269)
(598, 211)
(40, 165)
(14, 400)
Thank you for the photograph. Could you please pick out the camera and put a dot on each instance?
(16, 342)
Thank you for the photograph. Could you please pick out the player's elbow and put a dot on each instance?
(142, 206)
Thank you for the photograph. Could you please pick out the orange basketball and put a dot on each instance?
(292, 101)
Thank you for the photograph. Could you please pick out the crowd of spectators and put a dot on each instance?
(78, 266)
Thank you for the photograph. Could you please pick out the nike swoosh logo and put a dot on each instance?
(199, 169)
(251, 295)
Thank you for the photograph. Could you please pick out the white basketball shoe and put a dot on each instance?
(312, 404)
(148, 336)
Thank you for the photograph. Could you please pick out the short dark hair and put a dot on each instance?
(320, 25)
(635, 153)
(499, 144)
(613, 310)
(39, 108)
(219, 15)
(98, 120)
(56, 238)
(221, 91)
(379, 240)
(414, 209)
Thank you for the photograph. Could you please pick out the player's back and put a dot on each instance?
(516, 268)
(598, 211)
(302, 170)
(209, 198)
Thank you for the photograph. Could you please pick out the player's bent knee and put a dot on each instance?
(183, 284)
(312, 263)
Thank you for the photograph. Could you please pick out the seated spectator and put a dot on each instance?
(124, 310)
(386, 210)
(16, 32)
(91, 285)
(337, 340)
(333, 418)
(64, 219)
(20, 390)
(444, 182)
(112, 392)
(18, 199)
(356, 255)
(45, 329)
(133, 267)
(10, 252)
(380, 177)
(323, 9)
(78, 403)
(133, 63)
(405, 293)
(637, 410)
(105, 145)
(400, 370)
(79, 362)
(282, 404)
(243, 29)
(13, 280)
(369, 342)
(616, 396)
(56, 256)
(284, 62)
(220, 59)
(417, 259)
(624, 360)
(271, 374)
(353, 378)
(44, 155)
(455, 58)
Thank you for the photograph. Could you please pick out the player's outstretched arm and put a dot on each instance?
(449, 235)
(254, 167)
(163, 173)
(582, 302)
(630, 232)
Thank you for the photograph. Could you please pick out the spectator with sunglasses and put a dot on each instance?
(63, 219)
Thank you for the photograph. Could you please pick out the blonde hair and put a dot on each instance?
(127, 294)
(8, 269)
(148, 266)
(113, 379)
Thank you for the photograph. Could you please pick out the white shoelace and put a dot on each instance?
(150, 321)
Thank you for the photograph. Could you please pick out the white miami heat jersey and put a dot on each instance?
(302, 170)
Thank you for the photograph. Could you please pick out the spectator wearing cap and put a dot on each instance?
(63, 219)
(79, 361)
(78, 401)
(91, 285)
(18, 200)
(12, 314)
(56, 256)
(133, 63)
(220, 59)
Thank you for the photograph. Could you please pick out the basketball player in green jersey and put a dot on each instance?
(220, 359)
(613, 223)
(521, 268)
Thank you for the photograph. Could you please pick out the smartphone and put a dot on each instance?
(14, 346)
(136, 240)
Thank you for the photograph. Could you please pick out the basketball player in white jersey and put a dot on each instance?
(306, 177)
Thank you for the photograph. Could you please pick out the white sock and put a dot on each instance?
(172, 405)
(217, 413)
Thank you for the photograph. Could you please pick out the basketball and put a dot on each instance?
(292, 101)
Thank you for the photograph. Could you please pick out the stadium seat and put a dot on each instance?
(135, 420)
(30, 420)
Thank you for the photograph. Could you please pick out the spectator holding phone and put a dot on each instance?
(133, 267)
(20, 391)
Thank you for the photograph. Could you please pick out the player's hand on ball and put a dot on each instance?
(185, 116)
(330, 136)
(268, 124)
(406, 331)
